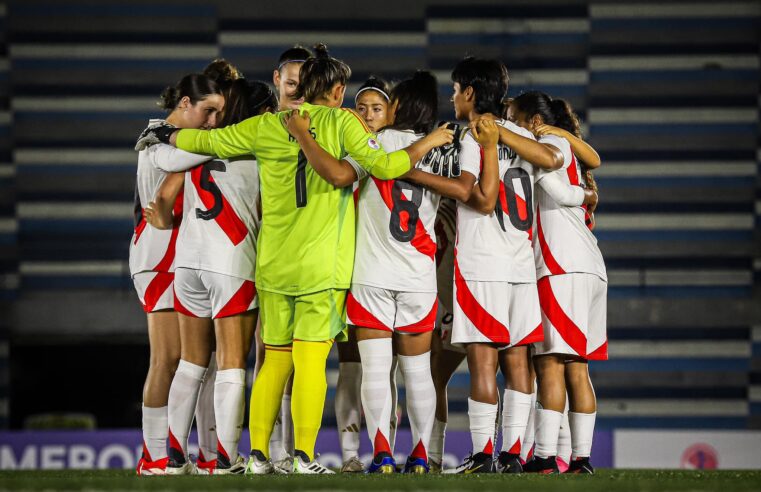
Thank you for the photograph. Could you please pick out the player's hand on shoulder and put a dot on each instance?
(544, 129)
(485, 131)
(297, 123)
(444, 157)
(153, 134)
(442, 135)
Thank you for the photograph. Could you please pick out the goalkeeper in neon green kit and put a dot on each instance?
(305, 250)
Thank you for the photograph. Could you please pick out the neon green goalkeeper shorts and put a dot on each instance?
(314, 317)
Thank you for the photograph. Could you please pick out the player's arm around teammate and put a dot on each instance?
(194, 102)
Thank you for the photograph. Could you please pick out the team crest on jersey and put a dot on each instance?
(373, 144)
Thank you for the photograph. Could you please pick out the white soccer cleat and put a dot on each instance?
(187, 468)
(236, 468)
(302, 465)
(284, 466)
(353, 465)
(259, 465)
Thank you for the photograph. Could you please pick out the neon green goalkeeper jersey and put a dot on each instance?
(306, 241)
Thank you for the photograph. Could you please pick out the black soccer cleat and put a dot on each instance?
(475, 463)
(581, 466)
(544, 466)
(508, 463)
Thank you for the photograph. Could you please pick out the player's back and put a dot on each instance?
(220, 220)
(563, 242)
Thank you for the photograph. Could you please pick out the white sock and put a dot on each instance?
(229, 393)
(394, 422)
(421, 400)
(348, 404)
(564, 438)
(436, 446)
(206, 422)
(582, 431)
(482, 417)
(517, 408)
(155, 431)
(547, 429)
(287, 424)
(183, 395)
(528, 437)
(277, 451)
(376, 391)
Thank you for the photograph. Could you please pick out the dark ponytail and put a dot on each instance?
(320, 73)
(417, 103)
(565, 118)
(195, 86)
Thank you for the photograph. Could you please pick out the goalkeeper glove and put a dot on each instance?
(155, 133)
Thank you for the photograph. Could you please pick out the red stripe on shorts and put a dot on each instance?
(159, 284)
(600, 353)
(537, 335)
(480, 317)
(565, 326)
(166, 262)
(182, 309)
(240, 301)
(360, 316)
(424, 325)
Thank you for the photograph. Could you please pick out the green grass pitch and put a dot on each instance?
(604, 480)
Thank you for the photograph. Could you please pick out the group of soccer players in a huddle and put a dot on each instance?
(282, 217)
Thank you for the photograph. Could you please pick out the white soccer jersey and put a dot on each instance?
(497, 247)
(396, 242)
(220, 223)
(563, 242)
(151, 249)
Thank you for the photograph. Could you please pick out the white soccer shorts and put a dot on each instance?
(574, 315)
(154, 289)
(501, 313)
(203, 294)
(390, 310)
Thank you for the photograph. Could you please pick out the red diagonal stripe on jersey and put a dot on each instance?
(425, 324)
(359, 316)
(422, 240)
(573, 171)
(166, 262)
(549, 260)
(600, 353)
(141, 226)
(156, 289)
(537, 335)
(240, 301)
(565, 326)
(480, 317)
(232, 225)
(522, 208)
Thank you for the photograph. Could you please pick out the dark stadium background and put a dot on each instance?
(668, 93)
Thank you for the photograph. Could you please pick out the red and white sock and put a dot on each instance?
(582, 432)
(183, 396)
(482, 417)
(155, 431)
(436, 445)
(349, 407)
(421, 400)
(528, 438)
(547, 429)
(376, 390)
(229, 394)
(517, 409)
(206, 422)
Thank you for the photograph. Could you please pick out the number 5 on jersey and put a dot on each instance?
(217, 206)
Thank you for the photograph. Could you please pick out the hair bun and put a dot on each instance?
(169, 97)
(321, 51)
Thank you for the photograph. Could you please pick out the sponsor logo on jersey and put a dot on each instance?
(373, 144)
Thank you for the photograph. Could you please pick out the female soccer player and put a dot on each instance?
(393, 292)
(306, 241)
(215, 278)
(496, 305)
(572, 290)
(371, 103)
(194, 102)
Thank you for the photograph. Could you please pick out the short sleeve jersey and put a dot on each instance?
(151, 249)
(306, 241)
(497, 247)
(563, 243)
(396, 243)
(220, 221)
